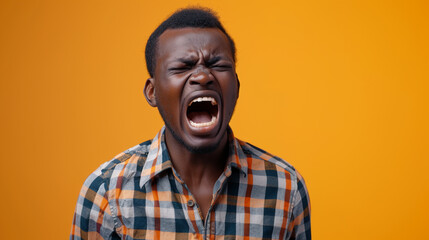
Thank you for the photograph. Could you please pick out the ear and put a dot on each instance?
(238, 85)
(149, 92)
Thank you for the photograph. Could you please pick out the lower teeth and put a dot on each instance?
(205, 124)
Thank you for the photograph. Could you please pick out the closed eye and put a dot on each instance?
(218, 63)
(222, 67)
(176, 70)
(182, 65)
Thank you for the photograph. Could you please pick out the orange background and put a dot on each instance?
(337, 88)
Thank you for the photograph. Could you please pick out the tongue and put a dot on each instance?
(200, 117)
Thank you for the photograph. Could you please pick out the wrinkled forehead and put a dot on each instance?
(188, 42)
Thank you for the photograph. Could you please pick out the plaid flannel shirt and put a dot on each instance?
(139, 195)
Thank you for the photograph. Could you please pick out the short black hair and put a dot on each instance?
(196, 17)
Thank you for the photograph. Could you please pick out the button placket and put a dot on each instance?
(189, 206)
(213, 228)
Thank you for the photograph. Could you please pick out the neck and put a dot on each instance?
(193, 167)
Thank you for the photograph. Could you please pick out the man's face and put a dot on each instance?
(195, 86)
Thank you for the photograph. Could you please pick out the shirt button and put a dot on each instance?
(191, 203)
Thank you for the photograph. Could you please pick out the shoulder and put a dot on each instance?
(267, 164)
(268, 160)
(126, 164)
(272, 165)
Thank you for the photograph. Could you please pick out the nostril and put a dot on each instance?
(199, 82)
(193, 82)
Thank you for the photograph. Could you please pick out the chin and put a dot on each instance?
(203, 147)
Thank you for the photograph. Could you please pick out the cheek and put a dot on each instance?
(168, 98)
(168, 90)
(230, 94)
(227, 79)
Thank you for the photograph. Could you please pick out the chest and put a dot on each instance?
(166, 209)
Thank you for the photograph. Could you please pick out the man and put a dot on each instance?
(194, 180)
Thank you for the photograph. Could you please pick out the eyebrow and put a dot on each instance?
(192, 61)
(187, 61)
(213, 60)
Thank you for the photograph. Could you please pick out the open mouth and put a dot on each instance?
(202, 112)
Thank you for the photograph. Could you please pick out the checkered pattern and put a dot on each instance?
(139, 195)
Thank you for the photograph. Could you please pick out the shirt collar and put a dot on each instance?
(158, 159)
(237, 158)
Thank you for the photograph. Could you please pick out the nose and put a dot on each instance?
(202, 76)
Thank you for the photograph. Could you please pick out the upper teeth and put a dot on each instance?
(204, 99)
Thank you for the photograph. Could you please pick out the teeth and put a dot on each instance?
(205, 124)
(204, 99)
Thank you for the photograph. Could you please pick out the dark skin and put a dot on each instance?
(194, 63)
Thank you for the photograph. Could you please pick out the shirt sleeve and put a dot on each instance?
(299, 227)
(92, 217)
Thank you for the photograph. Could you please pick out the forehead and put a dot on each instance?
(193, 41)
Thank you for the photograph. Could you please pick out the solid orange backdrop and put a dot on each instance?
(337, 88)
